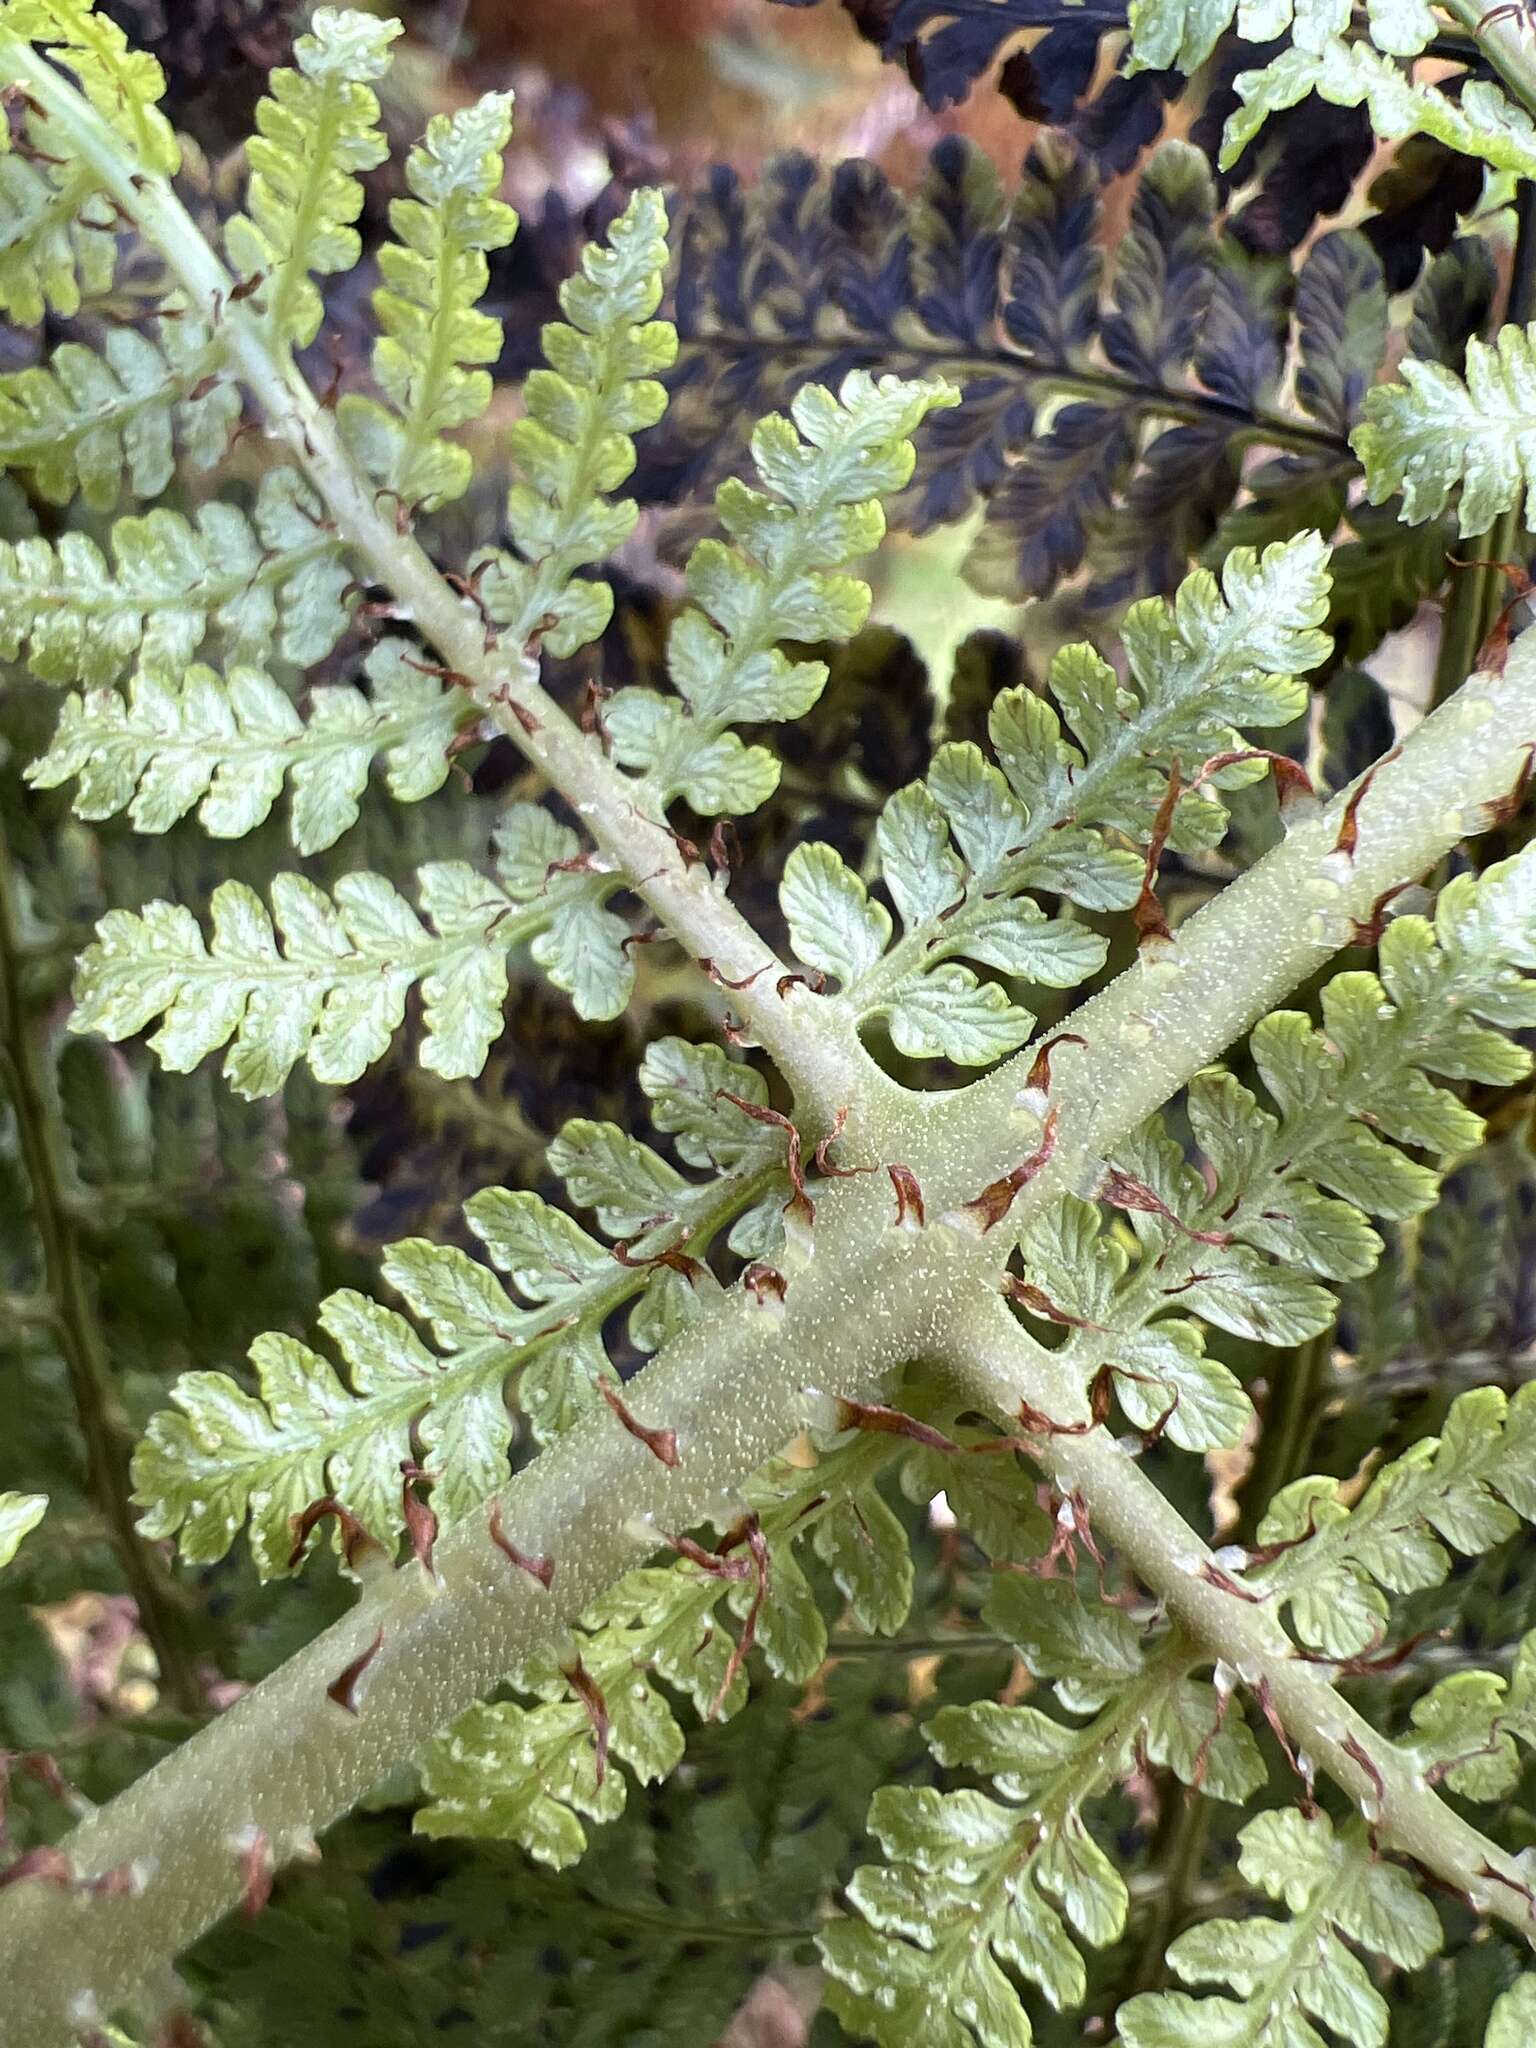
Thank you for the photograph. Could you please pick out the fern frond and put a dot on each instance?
(1110, 396)
(334, 992)
(228, 744)
(315, 132)
(1513, 2020)
(1463, 1491)
(124, 85)
(1283, 1208)
(1183, 33)
(429, 329)
(88, 422)
(1480, 121)
(573, 447)
(978, 1886)
(1284, 1974)
(270, 577)
(959, 849)
(531, 1774)
(826, 468)
(58, 240)
(1436, 431)
(223, 1456)
(20, 1514)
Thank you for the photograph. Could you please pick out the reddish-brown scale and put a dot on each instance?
(343, 1687)
(909, 1197)
(661, 1443)
(541, 1569)
(994, 1201)
(752, 1534)
(420, 1517)
(1150, 918)
(1124, 1191)
(878, 1420)
(1349, 829)
(590, 1693)
(355, 1540)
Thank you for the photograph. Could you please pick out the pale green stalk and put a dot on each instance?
(287, 1760)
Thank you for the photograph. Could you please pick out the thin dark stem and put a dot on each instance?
(1269, 429)
(77, 1330)
(1479, 593)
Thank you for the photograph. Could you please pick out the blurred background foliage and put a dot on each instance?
(1156, 361)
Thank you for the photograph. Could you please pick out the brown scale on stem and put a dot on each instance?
(996, 1199)
(540, 1569)
(876, 1419)
(356, 1542)
(590, 1693)
(799, 1204)
(750, 1532)
(1124, 1191)
(1349, 830)
(1150, 918)
(910, 1212)
(420, 1517)
(661, 1443)
(343, 1687)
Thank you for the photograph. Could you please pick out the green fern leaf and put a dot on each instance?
(959, 850)
(1436, 431)
(1284, 1973)
(1513, 2021)
(58, 240)
(20, 1514)
(977, 1887)
(123, 85)
(315, 132)
(1284, 1195)
(222, 1456)
(574, 445)
(1479, 122)
(273, 577)
(528, 1773)
(1463, 1491)
(1183, 33)
(434, 273)
(92, 422)
(826, 468)
(335, 992)
(227, 745)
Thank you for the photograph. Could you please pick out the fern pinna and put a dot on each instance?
(635, 1479)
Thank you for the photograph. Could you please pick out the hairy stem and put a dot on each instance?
(72, 1319)
(286, 1760)
(622, 813)
(998, 1364)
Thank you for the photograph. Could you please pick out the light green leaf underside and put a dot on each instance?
(1071, 795)
(222, 1456)
(227, 745)
(1340, 1896)
(271, 578)
(95, 422)
(526, 1773)
(1437, 432)
(574, 445)
(824, 469)
(20, 1514)
(979, 1891)
(315, 131)
(325, 979)
(432, 339)
(1292, 1187)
